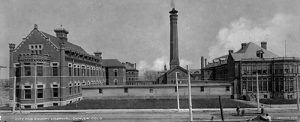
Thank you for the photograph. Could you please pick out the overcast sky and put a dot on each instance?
(138, 30)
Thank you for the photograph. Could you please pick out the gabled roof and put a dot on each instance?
(68, 45)
(249, 51)
(112, 63)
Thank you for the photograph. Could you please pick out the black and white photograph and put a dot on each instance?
(149, 60)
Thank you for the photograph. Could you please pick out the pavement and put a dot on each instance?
(147, 115)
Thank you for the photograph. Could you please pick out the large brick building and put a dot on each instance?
(276, 75)
(50, 71)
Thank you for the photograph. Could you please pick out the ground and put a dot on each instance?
(145, 115)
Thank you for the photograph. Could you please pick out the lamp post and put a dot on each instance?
(178, 106)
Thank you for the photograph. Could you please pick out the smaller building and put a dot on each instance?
(115, 72)
(132, 73)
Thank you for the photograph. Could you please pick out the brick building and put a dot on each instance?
(50, 70)
(132, 74)
(277, 76)
(115, 72)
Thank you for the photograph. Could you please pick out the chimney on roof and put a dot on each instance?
(98, 54)
(230, 51)
(205, 62)
(244, 45)
(61, 33)
(202, 62)
(263, 45)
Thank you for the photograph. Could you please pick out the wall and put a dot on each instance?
(166, 91)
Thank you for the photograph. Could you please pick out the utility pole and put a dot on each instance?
(257, 91)
(221, 108)
(178, 107)
(35, 86)
(297, 88)
(14, 95)
(190, 94)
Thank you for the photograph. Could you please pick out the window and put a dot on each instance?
(249, 85)
(265, 96)
(83, 70)
(176, 89)
(27, 106)
(227, 88)
(78, 88)
(125, 90)
(55, 90)
(40, 91)
(75, 69)
(116, 72)
(18, 70)
(18, 92)
(27, 93)
(27, 70)
(151, 90)
(55, 104)
(40, 106)
(54, 69)
(100, 91)
(70, 89)
(202, 89)
(39, 70)
(70, 69)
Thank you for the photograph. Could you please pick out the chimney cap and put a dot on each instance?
(173, 11)
(61, 29)
(230, 51)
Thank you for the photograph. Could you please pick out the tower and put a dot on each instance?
(174, 59)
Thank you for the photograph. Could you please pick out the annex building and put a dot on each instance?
(277, 76)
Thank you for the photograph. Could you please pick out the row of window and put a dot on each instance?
(267, 69)
(266, 84)
(40, 91)
(76, 70)
(39, 69)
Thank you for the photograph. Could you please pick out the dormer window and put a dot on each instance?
(260, 53)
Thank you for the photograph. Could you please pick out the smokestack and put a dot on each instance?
(202, 62)
(244, 45)
(263, 45)
(205, 62)
(174, 59)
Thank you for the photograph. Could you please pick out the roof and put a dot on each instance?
(68, 45)
(248, 52)
(112, 63)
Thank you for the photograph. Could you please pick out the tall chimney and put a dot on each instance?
(174, 59)
(205, 62)
(263, 45)
(202, 62)
(61, 33)
(244, 45)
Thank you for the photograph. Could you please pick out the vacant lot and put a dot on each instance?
(151, 104)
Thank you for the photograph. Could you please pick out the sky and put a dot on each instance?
(137, 31)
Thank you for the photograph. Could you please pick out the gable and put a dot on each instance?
(36, 41)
